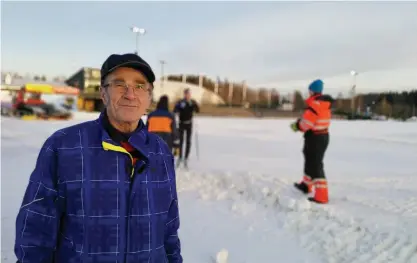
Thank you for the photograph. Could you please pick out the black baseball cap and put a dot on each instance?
(129, 60)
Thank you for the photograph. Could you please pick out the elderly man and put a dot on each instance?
(104, 190)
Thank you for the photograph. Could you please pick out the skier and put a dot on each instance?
(185, 108)
(315, 123)
(162, 122)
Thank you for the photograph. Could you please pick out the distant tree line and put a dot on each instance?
(404, 98)
(392, 104)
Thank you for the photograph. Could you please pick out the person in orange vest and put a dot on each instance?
(162, 122)
(315, 123)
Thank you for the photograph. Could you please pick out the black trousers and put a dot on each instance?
(185, 128)
(315, 146)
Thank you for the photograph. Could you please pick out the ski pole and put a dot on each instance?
(196, 141)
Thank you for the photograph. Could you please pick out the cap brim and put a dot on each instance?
(142, 67)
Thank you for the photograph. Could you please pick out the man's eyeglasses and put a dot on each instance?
(121, 87)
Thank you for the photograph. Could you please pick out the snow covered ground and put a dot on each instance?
(238, 195)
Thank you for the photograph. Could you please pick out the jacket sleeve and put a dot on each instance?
(308, 120)
(174, 129)
(172, 242)
(38, 219)
(196, 107)
(177, 107)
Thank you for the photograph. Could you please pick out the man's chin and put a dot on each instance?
(130, 117)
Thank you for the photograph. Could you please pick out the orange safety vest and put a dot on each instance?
(317, 115)
(159, 124)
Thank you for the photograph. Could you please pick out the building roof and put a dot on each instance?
(24, 80)
(83, 69)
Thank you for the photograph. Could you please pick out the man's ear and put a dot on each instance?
(103, 95)
(151, 93)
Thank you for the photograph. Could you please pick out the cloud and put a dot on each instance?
(290, 41)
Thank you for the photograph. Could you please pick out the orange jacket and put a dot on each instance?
(317, 115)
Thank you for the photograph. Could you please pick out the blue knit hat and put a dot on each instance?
(316, 86)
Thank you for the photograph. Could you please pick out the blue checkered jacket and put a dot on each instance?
(86, 203)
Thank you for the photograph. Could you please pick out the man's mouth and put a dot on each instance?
(128, 106)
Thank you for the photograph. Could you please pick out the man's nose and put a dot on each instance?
(130, 93)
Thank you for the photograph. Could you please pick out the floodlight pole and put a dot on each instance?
(353, 91)
(162, 62)
(138, 31)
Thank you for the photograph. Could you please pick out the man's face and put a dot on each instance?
(187, 95)
(126, 93)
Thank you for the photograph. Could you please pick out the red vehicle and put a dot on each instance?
(28, 104)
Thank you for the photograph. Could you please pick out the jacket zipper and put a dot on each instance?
(110, 147)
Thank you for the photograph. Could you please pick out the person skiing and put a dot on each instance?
(162, 122)
(185, 109)
(315, 123)
(104, 190)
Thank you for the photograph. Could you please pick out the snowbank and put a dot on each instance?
(412, 119)
(339, 235)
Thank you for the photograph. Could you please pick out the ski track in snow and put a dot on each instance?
(325, 230)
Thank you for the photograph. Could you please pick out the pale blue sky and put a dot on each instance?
(259, 42)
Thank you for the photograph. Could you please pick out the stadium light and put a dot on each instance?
(353, 73)
(138, 31)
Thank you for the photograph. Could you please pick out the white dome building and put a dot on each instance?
(175, 91)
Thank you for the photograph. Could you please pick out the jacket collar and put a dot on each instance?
(139, 138)
(310, 99)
